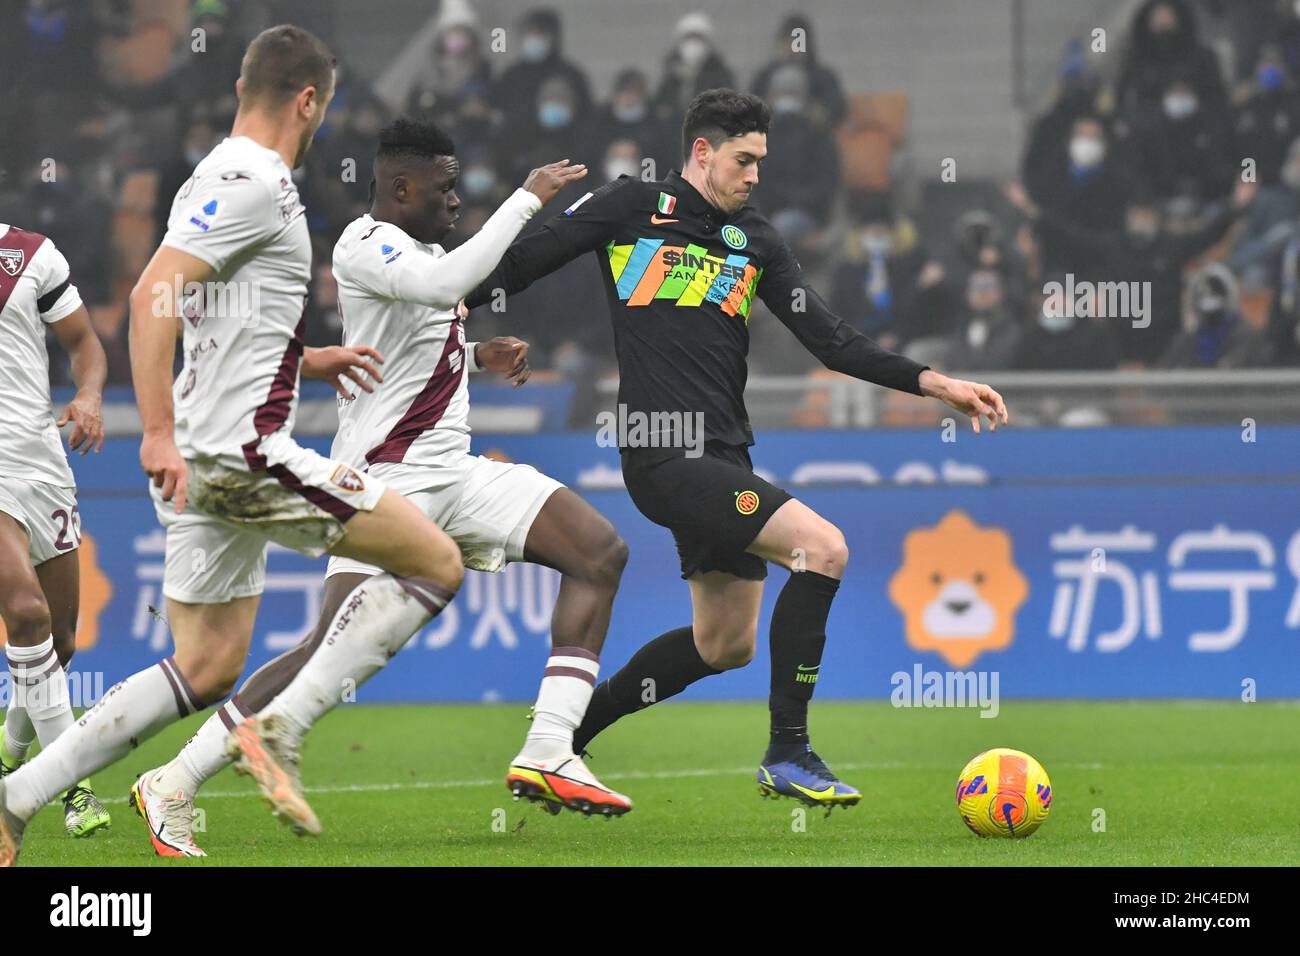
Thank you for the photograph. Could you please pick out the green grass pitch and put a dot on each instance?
(1180, 783)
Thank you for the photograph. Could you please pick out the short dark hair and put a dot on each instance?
(283, 61)
(413, 137)
(720, 114)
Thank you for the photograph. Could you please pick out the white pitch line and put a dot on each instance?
(631, 775)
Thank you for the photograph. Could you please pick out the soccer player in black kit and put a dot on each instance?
(682, 260)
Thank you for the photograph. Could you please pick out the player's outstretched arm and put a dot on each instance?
(442, 283)
(586, 225)
(89, 372)
(842, 348)
(152, 335)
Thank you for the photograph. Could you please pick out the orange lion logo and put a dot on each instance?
(958, 589)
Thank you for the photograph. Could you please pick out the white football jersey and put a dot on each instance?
(399, 296)
(241, 214)
(35, 290)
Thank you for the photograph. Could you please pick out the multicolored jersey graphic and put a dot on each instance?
(649, 269)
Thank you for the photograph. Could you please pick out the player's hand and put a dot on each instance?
(972, 399)
(335, 360)
(507, 355)
(87, 419)
(545, 182)
(163, 463)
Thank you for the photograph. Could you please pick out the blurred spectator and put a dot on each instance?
(885, 286)
(628, 117)
(540, 61)
(70, 208)
(550, 134)
(1270, 224)
(793, 46)
(206, 78)
(1144, 251)
(1060, 339)
(1082, 184)
(1164, 48)
(1284, 320)
(1185, 151)
(990, 335)
(1269, 119)
(802, 168)
(459, 69)
(692, 66)
(1215, 335)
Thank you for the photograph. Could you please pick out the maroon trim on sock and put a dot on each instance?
(24, 676)
(226, 719)
(433, 597)
(575, 652)
(28, 664)
(196, 705)
(577, 672)
(240, 709)
(166, 667)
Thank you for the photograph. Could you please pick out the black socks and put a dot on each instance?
(797, 638)
(659, 670)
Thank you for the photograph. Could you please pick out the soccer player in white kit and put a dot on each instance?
(398, 290)
(218, 439)
(40, 524)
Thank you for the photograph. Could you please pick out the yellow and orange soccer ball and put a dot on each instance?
(1003, 793)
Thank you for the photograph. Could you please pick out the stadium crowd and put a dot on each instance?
(1132, 174)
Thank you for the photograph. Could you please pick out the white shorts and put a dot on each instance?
(216, 549)
(48, 513)
(485, 506)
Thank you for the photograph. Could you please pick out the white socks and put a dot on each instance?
(204, 754)
(373, 623)
(129, 713)
(40, 705)
(567, 683)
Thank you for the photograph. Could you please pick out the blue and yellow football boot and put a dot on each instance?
(804, 776)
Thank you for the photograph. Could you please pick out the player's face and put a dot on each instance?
(320, 103)
(733, 169)
(435, 207)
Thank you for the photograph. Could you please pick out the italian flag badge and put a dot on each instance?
(667, 203)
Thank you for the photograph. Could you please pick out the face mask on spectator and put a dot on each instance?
(1055, 323)
(1180, 105)
(194, 156)
(1087, 151)
(693, 51)
(554, 115)
(1270, 77)
(977, 333)
(478, 181)
(629, 112)
(621, 167)
(787, 104)
(455, 44)
(877, 244)
(1291, 176)
(535, 47)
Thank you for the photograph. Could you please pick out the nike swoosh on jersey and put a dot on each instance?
(656, 220)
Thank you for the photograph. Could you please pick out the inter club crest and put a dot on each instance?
(11, 260)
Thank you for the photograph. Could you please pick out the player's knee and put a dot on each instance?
(445, 568)
(603, 562)
(827, 552)
(730, 648)
(27, 618)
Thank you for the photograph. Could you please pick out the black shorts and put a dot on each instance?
(714, 505)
